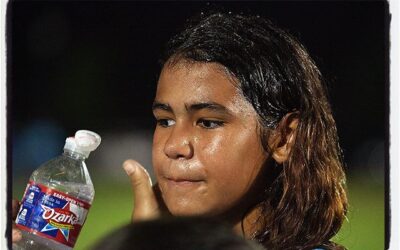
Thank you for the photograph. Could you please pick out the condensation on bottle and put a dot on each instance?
(58, 197)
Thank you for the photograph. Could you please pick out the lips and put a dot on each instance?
(182, 176)
(183, 172)
(183, 179)
(183, 185)
(183, 182)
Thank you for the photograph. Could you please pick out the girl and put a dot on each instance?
(244, 133)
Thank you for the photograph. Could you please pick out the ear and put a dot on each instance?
(283, 138)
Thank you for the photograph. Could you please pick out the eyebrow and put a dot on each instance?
(162, 106)
(194, 107)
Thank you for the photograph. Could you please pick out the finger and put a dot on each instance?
(15, 207)
(145, 203)
(16, 235)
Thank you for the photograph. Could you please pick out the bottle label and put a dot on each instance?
(51, 214)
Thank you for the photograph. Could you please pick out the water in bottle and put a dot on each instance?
(58, 197)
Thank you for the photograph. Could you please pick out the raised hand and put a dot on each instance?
(147, 199)
(16, 234)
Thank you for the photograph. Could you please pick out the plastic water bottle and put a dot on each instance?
(58, 196)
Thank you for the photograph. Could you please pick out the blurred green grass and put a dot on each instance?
(112, 208)
(365, 225)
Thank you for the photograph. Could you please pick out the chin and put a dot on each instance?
(188, 208)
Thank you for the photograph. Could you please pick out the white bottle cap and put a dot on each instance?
(70, 144)
(84, 142)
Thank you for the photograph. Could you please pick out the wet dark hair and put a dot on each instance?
(305, 205)
(171, 233)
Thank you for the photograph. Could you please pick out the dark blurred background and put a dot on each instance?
(94, 65)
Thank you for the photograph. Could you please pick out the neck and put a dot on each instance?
(247, 221)
(250, 224)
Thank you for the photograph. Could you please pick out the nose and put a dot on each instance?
(179, 144)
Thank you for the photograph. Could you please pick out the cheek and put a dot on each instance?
(214, 145)
(158, 150)
(234, 159)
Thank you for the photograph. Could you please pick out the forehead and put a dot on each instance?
(194, 81)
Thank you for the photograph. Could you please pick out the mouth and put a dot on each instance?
(183, 177)
(183, 182)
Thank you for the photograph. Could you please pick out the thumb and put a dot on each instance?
(145, 203)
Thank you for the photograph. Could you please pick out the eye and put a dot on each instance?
(210, 124)
(165, 123)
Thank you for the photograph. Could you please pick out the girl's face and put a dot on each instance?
(207, 151)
